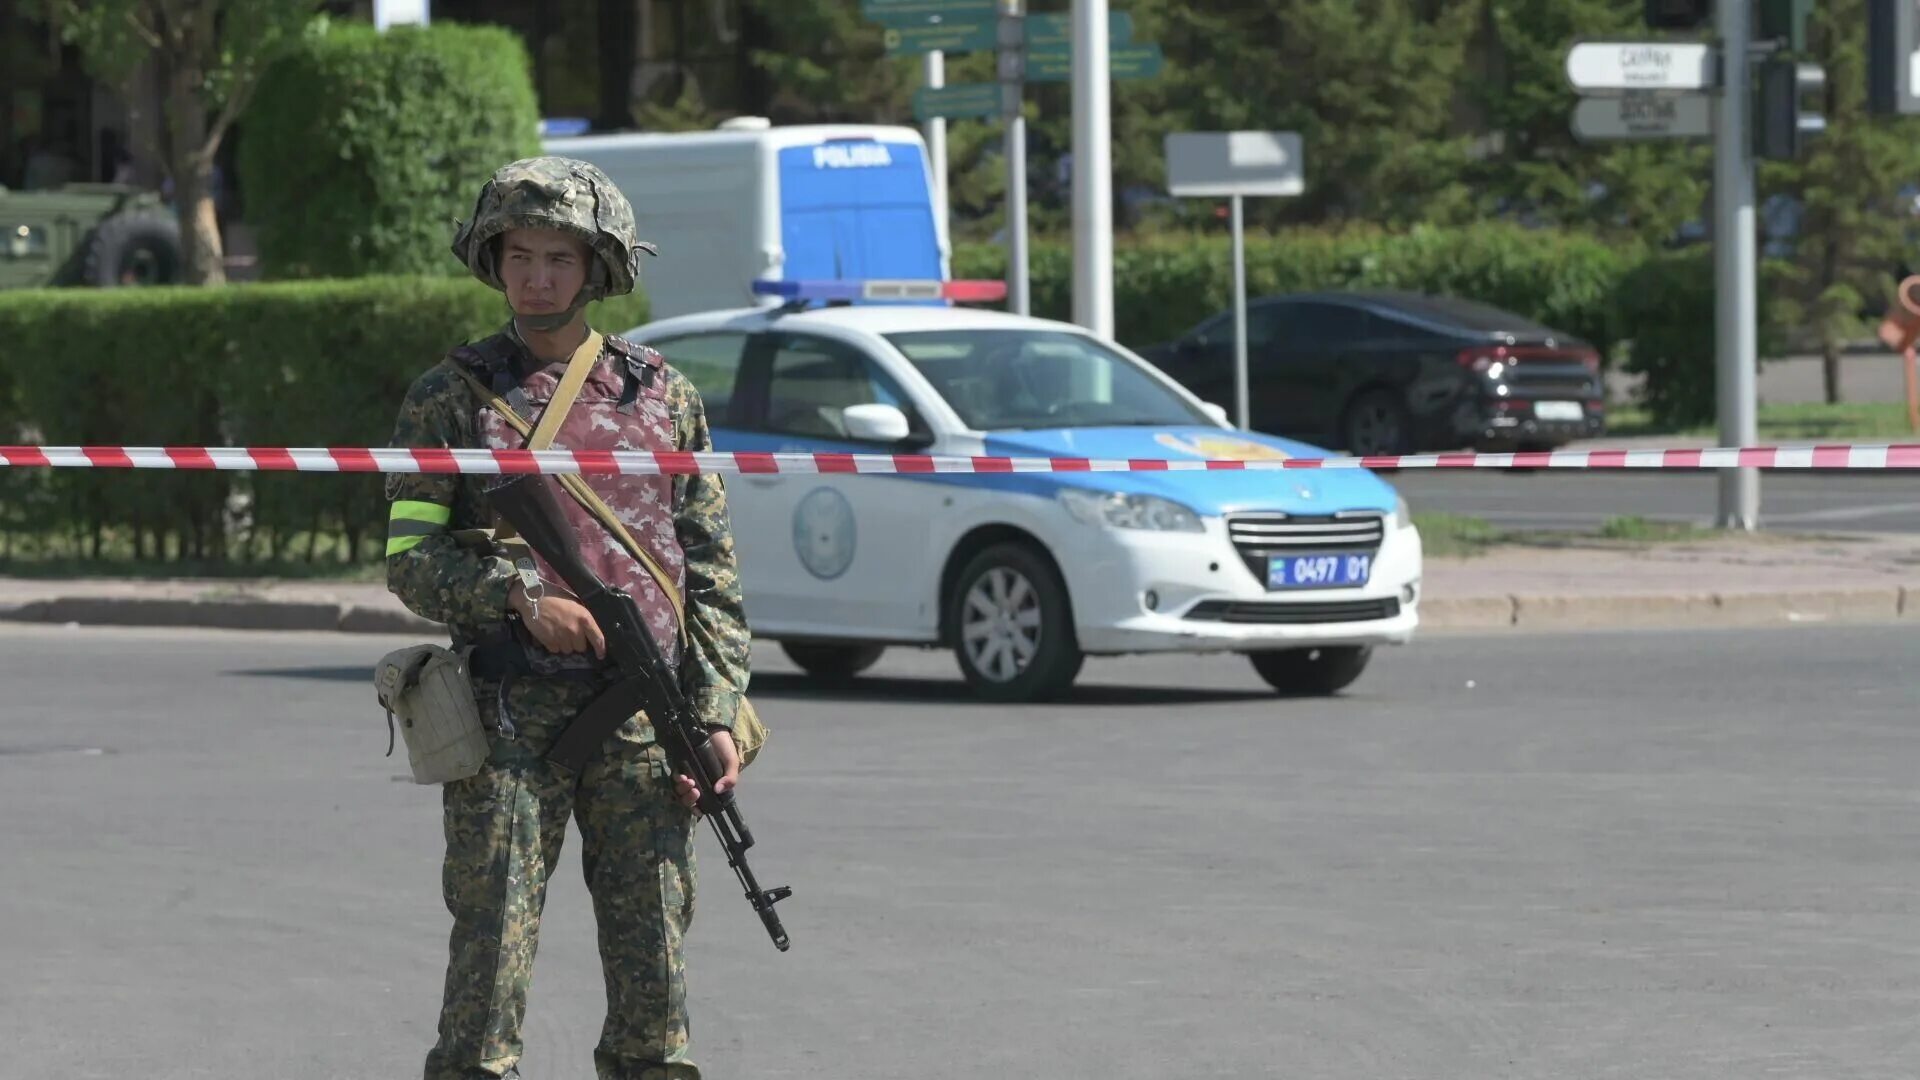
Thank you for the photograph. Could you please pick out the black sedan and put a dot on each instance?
(1394, 373)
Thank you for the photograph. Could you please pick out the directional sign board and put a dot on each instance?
(960, 99)
(1057, 30)
(1603, 67)
(1055, 64)
(941, 37)
(1235, 163)
(922, 12)
(1643, 116)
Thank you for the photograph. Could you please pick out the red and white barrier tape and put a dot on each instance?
(601, 462)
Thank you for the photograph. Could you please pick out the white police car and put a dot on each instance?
(1023, 575)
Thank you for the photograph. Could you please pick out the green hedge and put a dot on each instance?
(283, 364)
(1666, 306)
(360, 150)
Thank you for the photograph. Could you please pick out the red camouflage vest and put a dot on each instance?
(622, 406)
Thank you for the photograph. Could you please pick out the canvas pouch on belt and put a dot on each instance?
(427, 695)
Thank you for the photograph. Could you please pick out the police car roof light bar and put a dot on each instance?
(831, 291)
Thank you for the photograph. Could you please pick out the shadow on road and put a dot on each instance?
(912, 691)
(324, 674)
(954, 692)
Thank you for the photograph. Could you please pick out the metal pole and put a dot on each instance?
(1017, 290)
(1240, 394)
(936, 77)
(1092, 170)
(1736, 331)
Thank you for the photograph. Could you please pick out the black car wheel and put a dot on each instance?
(1376, 424)
(1011, 626)
(832, 663)
(1315, 672)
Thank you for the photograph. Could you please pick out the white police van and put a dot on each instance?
(754, 201)
(1023, 575)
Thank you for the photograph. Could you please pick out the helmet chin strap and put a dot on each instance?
(554, 320)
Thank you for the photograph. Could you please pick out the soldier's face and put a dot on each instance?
(543, 269)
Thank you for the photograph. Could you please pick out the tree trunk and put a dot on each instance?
(1830, 369)
(190, 153)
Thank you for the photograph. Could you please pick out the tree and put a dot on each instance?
(1369, 84)
(1535, 169)
(207, 56)
(1855, 226)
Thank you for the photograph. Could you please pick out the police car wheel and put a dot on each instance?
(1318, 671)
(832, 661)
(1011, 626)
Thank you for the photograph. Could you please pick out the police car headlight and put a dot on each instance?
(1402, 513)
(1117, 511)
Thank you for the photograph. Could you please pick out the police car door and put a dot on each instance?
(839, 556)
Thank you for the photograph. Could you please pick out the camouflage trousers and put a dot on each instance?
(504, 829)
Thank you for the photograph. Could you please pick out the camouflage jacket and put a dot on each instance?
(465, 586)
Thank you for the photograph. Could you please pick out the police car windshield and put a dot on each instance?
(1009, 380)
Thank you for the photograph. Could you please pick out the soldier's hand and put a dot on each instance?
(564, 626)
(688, 792)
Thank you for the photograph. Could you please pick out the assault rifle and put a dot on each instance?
(644, 681)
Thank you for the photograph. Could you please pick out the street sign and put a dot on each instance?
(1603, 67)
(922, 12)
(1055, 64)
(960, 99)
(1234, 163)
(941, 37)
(1643, 116)
(1057, 30)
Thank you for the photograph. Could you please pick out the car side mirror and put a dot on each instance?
(1218, 412)
(875, 423)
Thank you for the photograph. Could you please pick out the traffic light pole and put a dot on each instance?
(1735, 252)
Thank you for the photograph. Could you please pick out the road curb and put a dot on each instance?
(1672, 610)
(1528, 612)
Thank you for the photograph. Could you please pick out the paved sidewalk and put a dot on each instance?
(1723, 581)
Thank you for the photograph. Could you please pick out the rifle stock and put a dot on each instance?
(646, 682)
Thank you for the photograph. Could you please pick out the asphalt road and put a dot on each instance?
(1547, 499)
(1612, 855)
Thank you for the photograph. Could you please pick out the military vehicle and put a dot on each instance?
(101, 235)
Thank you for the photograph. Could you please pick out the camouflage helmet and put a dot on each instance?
(555, 193)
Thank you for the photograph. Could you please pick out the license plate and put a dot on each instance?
(1559, 410)
(1318, 571)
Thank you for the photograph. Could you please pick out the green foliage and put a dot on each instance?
(1666, 304)
(362, 149)
(286, 364)
(1535, 169)
(116, 36)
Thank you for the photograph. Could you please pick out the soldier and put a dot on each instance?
(554, 234)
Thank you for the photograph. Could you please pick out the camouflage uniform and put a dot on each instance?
(504, 827)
